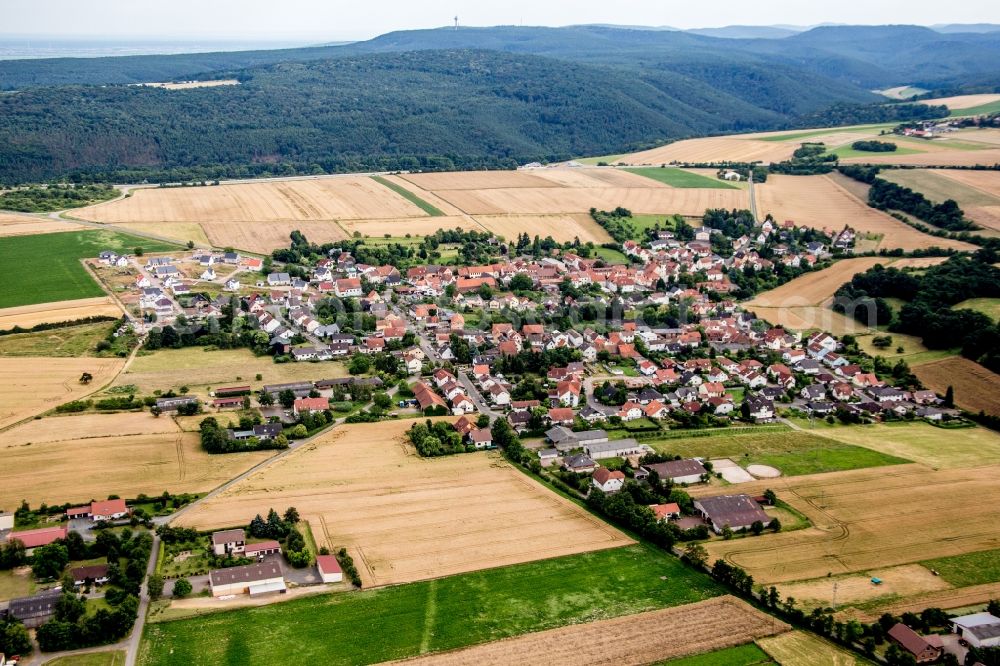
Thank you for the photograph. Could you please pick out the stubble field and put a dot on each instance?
(562, 228)
(78, 458)
(822, 203)
(800, 648)
(27, 316)
(631, 640)
(870, 519)
(29, 386)
(977, 192)
(976, 388)
(713, 149)
(13, 224)
(405, 518)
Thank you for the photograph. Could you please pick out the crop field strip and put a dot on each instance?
(632, 640)
(975, 386)
(27, 316)
(978, 193)
(396, 622)
(871, 518)
(799, 648)
(122, 456)
(407, 518)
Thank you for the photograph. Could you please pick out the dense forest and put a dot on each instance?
(474, 98)
(928, 312)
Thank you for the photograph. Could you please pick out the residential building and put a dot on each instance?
(608, 481)
(229, 542)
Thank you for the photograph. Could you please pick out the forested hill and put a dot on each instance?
(428, 109)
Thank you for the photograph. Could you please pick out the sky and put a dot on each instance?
(330, 20)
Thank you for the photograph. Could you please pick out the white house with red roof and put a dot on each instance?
(104, 510)
(329, 569)
(608, 481)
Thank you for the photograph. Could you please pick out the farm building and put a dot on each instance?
(914, 643)
(678, 471)
(978, 629)
(6, 521)
(262, 548)
(229, 542)
(329, 569)
(93, 574)
(173, 404)
(34, 611)
(252, 579)
(738, 512)
(617, 448)
(41, 537)
(580, 464)
(104, 510)
(309, 405)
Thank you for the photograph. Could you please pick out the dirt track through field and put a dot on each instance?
(625, 641)
(405, 518)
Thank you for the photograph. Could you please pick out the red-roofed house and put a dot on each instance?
(561, 416)
(666, 511)
(607, 480)
(103, 510)
(310, 405)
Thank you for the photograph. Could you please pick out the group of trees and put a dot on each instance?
(37, 199)
(215, 439)
(886, 195)
(617, 222)
(873, 146)
(72, 627)
(283, 528)
(930, 297)
(808, 159)
(436, 438)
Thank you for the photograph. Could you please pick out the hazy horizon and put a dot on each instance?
(311, 21)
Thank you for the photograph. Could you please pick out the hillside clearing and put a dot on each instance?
(405, 518)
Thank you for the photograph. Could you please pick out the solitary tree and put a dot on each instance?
(182, 588)
(949, 397)
(155, 586)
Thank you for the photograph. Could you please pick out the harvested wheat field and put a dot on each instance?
(477, 180)
(29, 386)
(562, 228)
(977, 192)
(630, 640)
(27, 316)
(262, 237)
(897, 582)
(12, 224)
(798, 648)
(182, 232)
(87, 426)
(714, 149)
(976, 388)
(822, 203)
(416, 226)
(406, 518)
(535, 201)
(201, 370)
(810, 317)
(871, 518)
(332, 198)
(816, 287)
(60, 471)
(959, 597)
(916, 262)
(597, 177)
(962, 101)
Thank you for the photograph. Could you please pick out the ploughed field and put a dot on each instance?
(404, 518)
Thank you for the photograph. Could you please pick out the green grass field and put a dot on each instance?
(405, 620)
(431, 210)
(982, 109)
(46, 267)
(675, 177)
(71, 341)
(741, 655)
(610, 256)
(592, 161)
(969, 568)
(792, 452)
(988, 306)
(844, 152)
(797, 136)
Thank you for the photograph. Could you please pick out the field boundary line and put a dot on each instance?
(430, 616)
